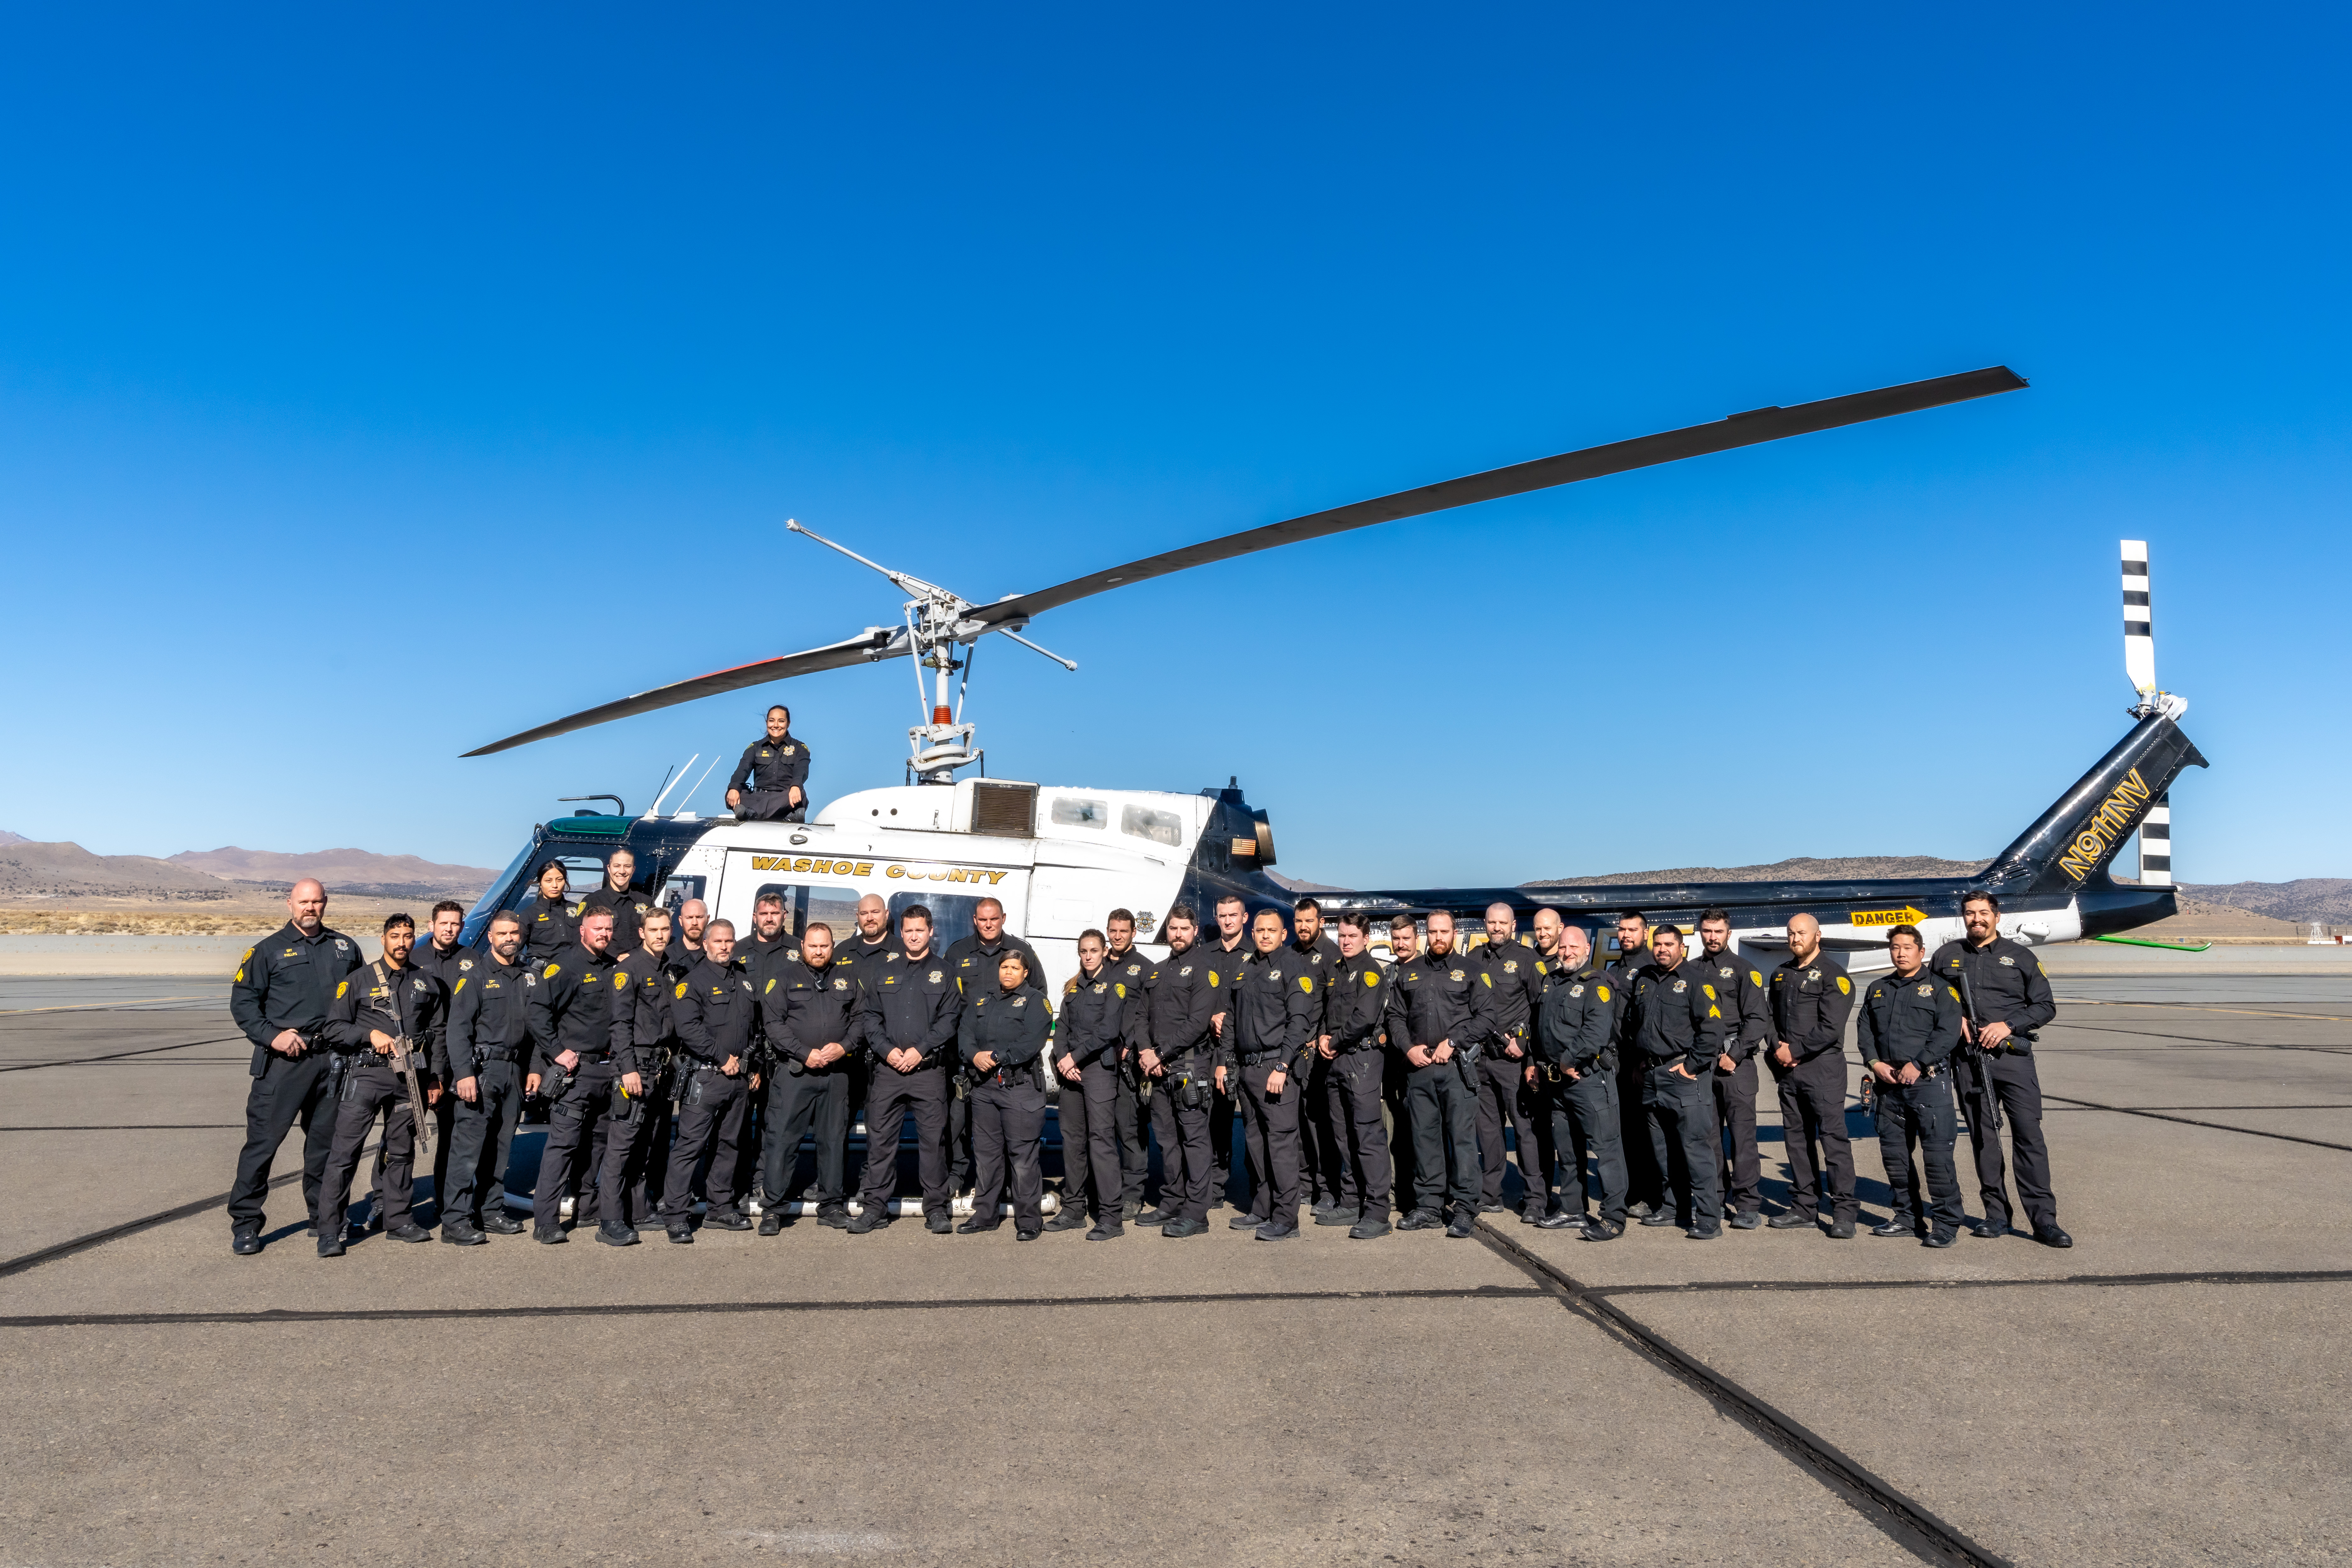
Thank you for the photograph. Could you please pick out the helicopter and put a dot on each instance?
(1059, 858)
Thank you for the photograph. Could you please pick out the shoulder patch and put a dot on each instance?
(461, 985)
(1307, 984)
(341, 988)
(1709, 990)
(1756, 977)
(551, 972)
(1846, 987)
(249, 953)
(1602, 992)
(1371, 977)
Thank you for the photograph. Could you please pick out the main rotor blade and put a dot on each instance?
(873, 643)
(1592, 462)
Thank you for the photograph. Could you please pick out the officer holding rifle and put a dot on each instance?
(385, 1025)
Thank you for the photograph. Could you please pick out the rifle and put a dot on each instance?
(404, 1066)
(1983, 1103)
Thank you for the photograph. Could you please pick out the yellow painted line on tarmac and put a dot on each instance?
(2192, 1007)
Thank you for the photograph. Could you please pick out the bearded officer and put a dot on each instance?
(627, 906)
(376, 1007)
(1228, 948)
(1130, 969)
(644, 1036)
(1431, 1002)
(280, 1000)
(1575, 1070)
(907, 1012)
(1910, 1027)
(2008, 1000)
(807, 1009)
(1353, 1051)
(1179, 999)
(1510, 989)
(1748, 1021)
(441, 956)
(685, 946)
(1811, 998)
(1645, 1183)
(716, 1014)
(1679, 1029)
(776, 769)
(1273, 1010)
(488, 1039)
(571, 1015)
(1318, 1147)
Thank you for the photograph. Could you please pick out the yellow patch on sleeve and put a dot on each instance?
(1710, 992)
(1307, 984)
(1212, 980)
(240, 978)
(1487, 979)
(551, 972)
(249, 953)
(1756, 978)
(1955, 991)
(1120, 987)
(1714, 1011)
(342, 986)
(681, 988)
(1603, 990)
(461, 985)
(1846, 987)
(1371, 977)
(620, 978)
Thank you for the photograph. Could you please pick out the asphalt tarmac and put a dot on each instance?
(2176, 1388)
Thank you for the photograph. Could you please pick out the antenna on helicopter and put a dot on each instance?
(670, 780)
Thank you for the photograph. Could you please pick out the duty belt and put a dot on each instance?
(1251, 1058)
(499, 1054)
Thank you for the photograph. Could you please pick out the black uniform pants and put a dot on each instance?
(1645, 1178)
(1443, 1114)
(1008, 1123)
(481, 1142)
(1735, 1112)
(590, 1116)
(1920, 1117)
(893, 1097)
(2018, 1085)
(370, 1088)
(1504, 1097)
(807, 1102)
(1685, 1144)
(1221, 1137)
(289, 1089)
(1134, 1120)
(1270, 1131)
(1319, 1160)
(1187, 1177)
(1094, 1168)
(444, 1122)
(1812, 1114)
(1584, 1116)
(649, 1160)
(1362, 1177)
(1395, 1077)
(955, 1130)
(709, 1128)
(771, 806)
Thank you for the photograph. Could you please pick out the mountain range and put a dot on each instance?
(33, 870)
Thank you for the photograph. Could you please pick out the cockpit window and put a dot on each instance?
(1073, 811)
(1160, 826)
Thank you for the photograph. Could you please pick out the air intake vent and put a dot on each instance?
(1005, 810)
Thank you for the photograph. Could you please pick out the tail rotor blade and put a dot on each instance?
(2139, 637)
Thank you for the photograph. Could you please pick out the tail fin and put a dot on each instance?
(2071, 843)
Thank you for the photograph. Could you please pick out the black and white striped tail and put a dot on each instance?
(2139, 634)
(2156, 845)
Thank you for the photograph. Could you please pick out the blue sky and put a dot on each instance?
(377, 383)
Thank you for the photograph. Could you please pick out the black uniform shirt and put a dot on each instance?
(404, 1001)
(1179, 997)
(2004, 984)
(773, 766)
(906, 1002)
(755, 951)
(1621, 973)
(486, 1015)
(1914, 1020)
(1133, 969)
(1319, 957)
(1094, 1018)
(1011, 1028)
(803, 1008)
(1430, 1001)
(642, 1024)
(1679, 1015)
(850, 951)
(1510, 988)
(1811, 1002)
(1224, 962)
(629, 909)
(973, 964)
(1273, 1008)
(549, 926)
(571, 1008)
(1358, 1005)
(286, 982)
(448, 968)
(1748, 1019)
(1577, 1019)
(679, 959)
(716, 1013)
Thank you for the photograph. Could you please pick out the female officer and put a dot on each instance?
(549, 921)
(1003, 1039)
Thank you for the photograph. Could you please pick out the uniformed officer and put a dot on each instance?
(1130, 969)
(1320, 1160)
(1228, 949)
(1003, 1036)
(1645, 1184)
(442, 957)
(488, 1042)
(570, 1016)
(1273, 1011)
(768, 944)
(377, 1008)
(1352, 1050)
(685, 946)
(716, 1016)
(1910, 1027)
(870, 940)
(1510, 988)
(776, 767)
(2006, 999)
(1088, 1050)
(1748, 1019)
(971, 960)
(627, 905)
(279, 1001)
(644, 1036)
(656, 1056)
(1680, 1023)
(807, 1009)
(1430, 1012)
(1180, 996)
(907, 1011)
(1575, 1067)
(1811, 997)
(1404, 946)
(550, 919)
